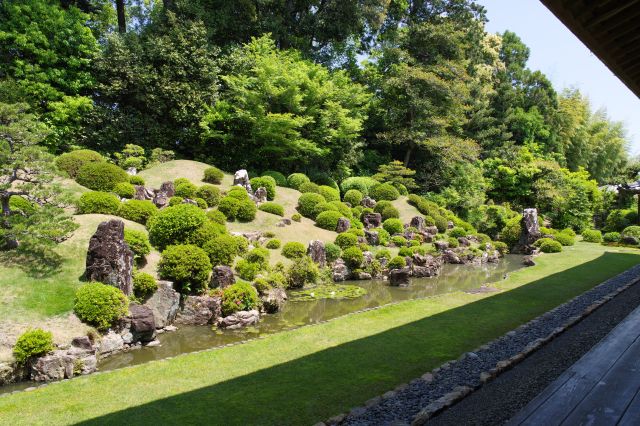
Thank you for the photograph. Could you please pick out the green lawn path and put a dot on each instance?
(307, 375)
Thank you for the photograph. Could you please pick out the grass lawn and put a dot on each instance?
(306, 375)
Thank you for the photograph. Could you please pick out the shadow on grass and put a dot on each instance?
(317, 386)
(36, 264)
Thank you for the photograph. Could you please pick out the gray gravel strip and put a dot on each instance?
(401, 406)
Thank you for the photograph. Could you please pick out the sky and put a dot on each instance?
(565, 60)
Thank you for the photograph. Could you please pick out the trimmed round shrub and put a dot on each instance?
(405, 251)
(328, 220)
(209, 193)
(247, 270)
(180, 181)
(217, 216)
(138, 242)
(332, 252)
(262, 286)
(346, 239)
(383, 236)
(239, 193)
(353, 257)
(296, 179)
(175, 225)
(441, 223)
(98, 202)
(565, 239)
(124, 190)
(136, 180)
(453, 242)
(362, 184)
(100, 305)
(326, 180)
(174, 201)
(271, 207)
(381, 205)
(187, 265)
(399, 241)
(631, 231)
(384, 191)
(101, 176)
(273, 244)
(201, 203)
(144, 284)
(229, 207)
(31, 344)
(266, 182)
(294, 250)
(186, 190)
(393, 226)
(329, 193)
(547, 245)
(240, 296)
(281, 180)
(592, 236)
(612, 237)
(401, 188)
(457, 232)
(342, 208)
(72, 162)
(243, 244)
(324, 207)
(510, 234)
(296, 217)
(353, 197)
(390, 212)
(137, 210)
(213, 175)
(259, 256)
(222, 250)
(302, 271)
(309, 187)
(617, 220)
(307, 203)
(246, 211)
(386, 253)
(205, 233)
(397, 262)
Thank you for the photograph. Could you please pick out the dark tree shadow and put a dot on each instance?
(35, 263)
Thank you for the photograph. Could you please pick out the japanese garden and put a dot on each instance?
(271, 212)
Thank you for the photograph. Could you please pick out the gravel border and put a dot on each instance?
(419, 400)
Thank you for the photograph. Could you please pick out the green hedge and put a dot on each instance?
(384, 191)
(31, 344)
(101, 176)
(268, 183)
(296, 179)
(138, 242)
(72, 162)
(240, 296)
(174, 225)
(294, 250)
(213, 175)
(328, 220)
(187, 265)
(209, 193)
(100, 305)
(137, 210)
(98, 202)
(271, 207)
(281, 180)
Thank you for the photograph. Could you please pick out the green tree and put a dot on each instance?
(396, 172)
(280, 111)
(26, 172)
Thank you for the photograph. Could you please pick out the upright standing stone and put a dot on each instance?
(316, 252)
(343, 225)
(372, 220)
(164, 304)
(418, 222)
(222, 276)
(241, 178)
(529, 233)
(109, 258)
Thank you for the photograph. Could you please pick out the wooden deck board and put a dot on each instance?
(598, 389)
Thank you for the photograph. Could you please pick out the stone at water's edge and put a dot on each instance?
(143, 325)
(64, 364)
(316, 252)
(199, 310)
(12, 372)
(239, 319)
(343, 225)
(400, 277)
(528, 261)
(110, 343)
(273, 300)
(340, 271)
(241, 178)
(530, 232)
(222, 277)
(441, 245)
(164, 304)
(109, 258)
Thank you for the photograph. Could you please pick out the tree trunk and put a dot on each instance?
(122, 23)
(407, 155)
(10, 241)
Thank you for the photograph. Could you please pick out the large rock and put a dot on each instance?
(12, 372)
(164, 304)
(110, 343)
(464, 242)
(449, 256)
(222, 277)
(273, 300)
(162, 196)
(261, 195)
(530, 232)
(400, 277)
(142, 193)
(239, 319)
(528, 261)
(340, 271)
(433, 230)
(418, 222)
(372, 220)
(373, 238)
(316, 252)
(441, 245)
(368, 202)
(109, 258)
(241, 178)
(64, 364)
(199, 310)
(143, 324)
(426, 266)
(343, 225)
